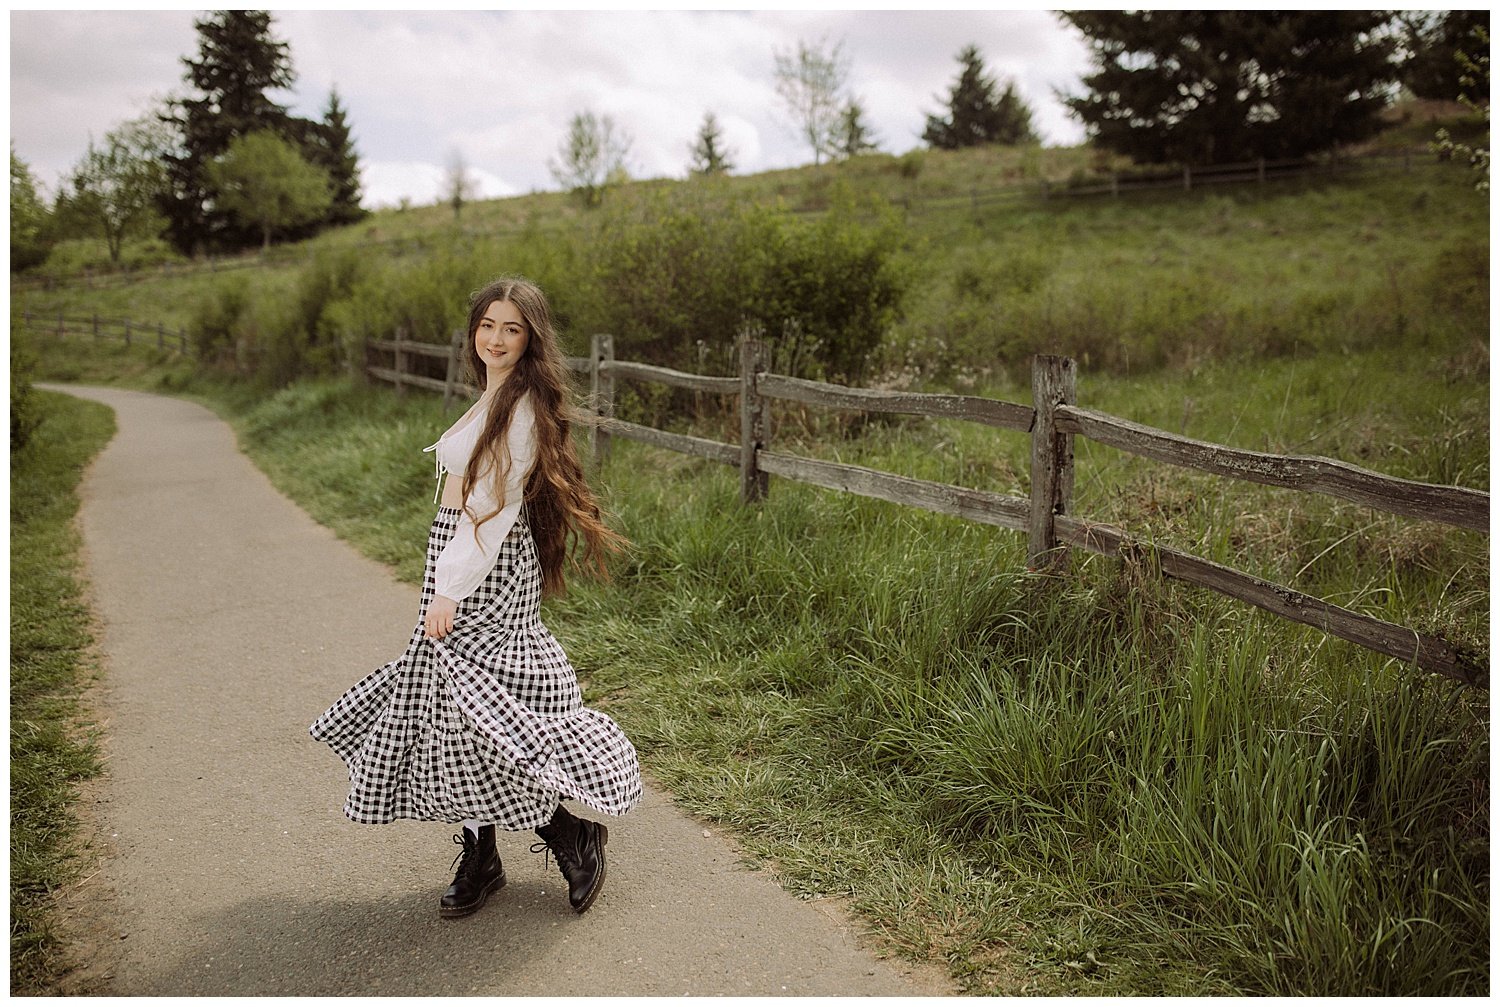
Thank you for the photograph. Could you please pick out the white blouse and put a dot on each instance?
(468, 557)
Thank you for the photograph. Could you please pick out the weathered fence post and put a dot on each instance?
(161, 335)
(455, 361)
(127, 332)
(400, 363)
(1260, 171)
(96, 326)
(1054, 382)
(1114, 183)
(1187, 176)
(601, 393)
(754, 484)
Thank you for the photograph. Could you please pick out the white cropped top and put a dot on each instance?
(468, 557)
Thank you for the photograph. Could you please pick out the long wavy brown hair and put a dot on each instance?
(561, 509)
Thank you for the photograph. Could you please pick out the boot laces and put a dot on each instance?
(562, 852)
(468, 859)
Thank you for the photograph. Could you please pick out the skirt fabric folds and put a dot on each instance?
(487, 723)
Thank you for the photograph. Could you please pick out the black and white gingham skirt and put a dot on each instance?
(487, 723)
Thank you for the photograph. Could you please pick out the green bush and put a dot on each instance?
(25, 414)
(669, 276)
(91, 255)
(295, 336)
(216, 319)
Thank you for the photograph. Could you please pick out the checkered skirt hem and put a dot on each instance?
(487, 723)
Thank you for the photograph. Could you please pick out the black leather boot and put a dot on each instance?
(479, 873)
(578, 846)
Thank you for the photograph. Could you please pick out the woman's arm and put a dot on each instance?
(470, 554)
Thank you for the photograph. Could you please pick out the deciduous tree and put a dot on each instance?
(28, 217)
(1475, 79)
(264, 182)
(115, 191)
(459, 186)
(1217, 86)
(810, 82)
(591, 156)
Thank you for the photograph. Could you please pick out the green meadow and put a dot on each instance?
(1098, 783)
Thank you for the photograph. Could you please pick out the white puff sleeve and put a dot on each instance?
(467, 559)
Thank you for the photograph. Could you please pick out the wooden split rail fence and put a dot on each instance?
(130, 332)
(1046, 515)
(403, 351)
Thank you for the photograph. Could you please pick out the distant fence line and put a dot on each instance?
(128, 331)
(1187, 178)
(1046, 516)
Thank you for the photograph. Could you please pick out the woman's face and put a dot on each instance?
(500, 340)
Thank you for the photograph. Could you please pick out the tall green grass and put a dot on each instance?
(1105, 784)
(1101, 783)
(51, 750)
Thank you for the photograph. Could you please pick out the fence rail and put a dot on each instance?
(129, 332)
(1456, 505)
(1053, 421)
(403, 349)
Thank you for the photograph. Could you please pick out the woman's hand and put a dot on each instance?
(440, 613)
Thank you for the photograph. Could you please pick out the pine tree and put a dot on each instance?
(332, 149)
(1221, 86)
(710, 156)
(852, 137)
(1014, 116)
(238, 62)
(1434, 41)
(976, 115)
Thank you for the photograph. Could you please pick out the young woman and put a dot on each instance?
(481, 720)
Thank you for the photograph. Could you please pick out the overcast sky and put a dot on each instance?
(499, 88)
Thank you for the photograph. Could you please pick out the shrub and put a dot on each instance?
(215, 321)
(25, 414)
(671, 276)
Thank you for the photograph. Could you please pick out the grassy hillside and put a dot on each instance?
(1096, 784)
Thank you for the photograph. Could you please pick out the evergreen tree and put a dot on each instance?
(710, 156)
(238, 62)
(1015, 117)
(852, 137)
(1219, 86)
(1435, 43)
(331, 147)
(976, 115)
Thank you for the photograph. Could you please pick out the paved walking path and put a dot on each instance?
(229, 621)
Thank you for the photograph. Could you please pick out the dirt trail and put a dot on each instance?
(230, 619)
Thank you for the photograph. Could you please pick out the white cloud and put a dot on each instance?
(500, 87)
